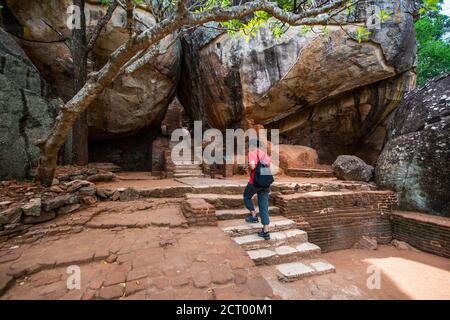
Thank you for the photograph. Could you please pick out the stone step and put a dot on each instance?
(333, 201)
(294, 271)
(254, 242)
(229, 214)
(238, 228)
(284, 254)
(187, 175)
(104, 166)
(188, 171)
(220, 201)
(188, 167)
(310, 173)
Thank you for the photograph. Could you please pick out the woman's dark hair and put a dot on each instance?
(256, 143)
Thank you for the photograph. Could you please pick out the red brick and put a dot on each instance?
(97, 284)
(111, 292)
(259, 287)
(179, 281)
(89, 294)
(160, 282)
(221, 274)
(115, 277)
(163, 295)
(201, 279)
(225, 293)
(136, 275)
(240, 276)
(44, 278)
(135, 286)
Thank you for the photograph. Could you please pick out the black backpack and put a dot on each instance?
(263, 175)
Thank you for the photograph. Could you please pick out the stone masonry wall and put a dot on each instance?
(337, 220)
(422, 231)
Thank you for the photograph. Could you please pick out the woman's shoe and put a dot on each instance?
(265, 235)
(252, 219)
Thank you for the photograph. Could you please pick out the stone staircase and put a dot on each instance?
(288, 251)
(188, 171)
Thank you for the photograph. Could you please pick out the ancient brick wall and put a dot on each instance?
(422, 231)
(309, 173)
(336, 220)
(169, 166)
(159, 145)
(199, 213)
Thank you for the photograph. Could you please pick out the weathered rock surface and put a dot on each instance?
(367, 243)
(352, 168)
(26, 110)
(294, 156)
(328, 88)
(11, 215)
(353, 123)
(402, 245)
(132, 102)
(32, 208)
(415, 159)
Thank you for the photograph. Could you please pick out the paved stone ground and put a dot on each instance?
(195, 182)
(403, 274)
(132, 250)
(144, 250)
(142, 180)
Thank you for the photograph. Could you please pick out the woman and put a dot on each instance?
(254, 156)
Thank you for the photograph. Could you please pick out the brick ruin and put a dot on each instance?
(428, 233)
(336, 221)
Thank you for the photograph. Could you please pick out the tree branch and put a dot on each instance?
(309, 17)
(147, 57)
(182, 8)
(130, 16)
(139, 42)
(101, 24)
(136, 17)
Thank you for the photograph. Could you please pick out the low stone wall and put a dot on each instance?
(198, 212)
(169, 166)
(337, 220)
(16, 216)
(309, 173)
(422, 231)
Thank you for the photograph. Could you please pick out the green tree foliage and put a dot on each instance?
(433, 43)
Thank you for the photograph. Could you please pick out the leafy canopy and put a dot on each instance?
(433, 53)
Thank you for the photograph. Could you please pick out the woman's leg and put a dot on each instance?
(263, 203)
(249, 192)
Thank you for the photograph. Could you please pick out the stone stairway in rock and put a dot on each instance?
(288, 250)
(187, 169)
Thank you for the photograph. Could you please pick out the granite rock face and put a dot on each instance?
(297, 157)
(27, 110)
(352, 168)
(132, 102)
(415, 158)
(326, 85)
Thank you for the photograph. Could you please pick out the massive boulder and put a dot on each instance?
(291, 156)
(132, 102)
(323, 90)
(416, 156)
(27, 110)
(352, 168)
